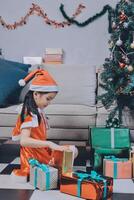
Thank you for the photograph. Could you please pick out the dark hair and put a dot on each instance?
(29, 106)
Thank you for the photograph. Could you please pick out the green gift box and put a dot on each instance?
(100, 153)
(110, 137)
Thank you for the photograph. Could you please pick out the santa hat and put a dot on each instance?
(42, 81)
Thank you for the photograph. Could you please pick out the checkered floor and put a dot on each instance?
(9, 160)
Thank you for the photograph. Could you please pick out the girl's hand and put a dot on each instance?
(54, 146)
(64, 148)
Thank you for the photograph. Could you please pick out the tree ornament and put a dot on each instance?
(125, 25)
(122, 16)
(132, 45)
(122, 65)
(110, 79)
(119, 42)
(127, 60)
(114, 25)
(130, 68)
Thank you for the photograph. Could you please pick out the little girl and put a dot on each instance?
(31, 124)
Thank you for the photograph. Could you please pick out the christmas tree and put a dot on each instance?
(118, 70)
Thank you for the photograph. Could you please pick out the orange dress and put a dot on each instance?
(38, 131)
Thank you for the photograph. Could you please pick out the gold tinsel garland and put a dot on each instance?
(37, 10)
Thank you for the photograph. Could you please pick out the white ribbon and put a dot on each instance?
(112, 138)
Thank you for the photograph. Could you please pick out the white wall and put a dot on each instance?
(88, 45)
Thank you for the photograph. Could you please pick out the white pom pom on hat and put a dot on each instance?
(22, 82)
(42, 81)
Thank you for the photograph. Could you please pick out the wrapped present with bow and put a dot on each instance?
(87, 186)
(110, 137)
(99, 154)
(43, 176)
(118, 168)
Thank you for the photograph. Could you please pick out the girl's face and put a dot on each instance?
(43, 100)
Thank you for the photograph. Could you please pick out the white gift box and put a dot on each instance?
(43, 180)
(32, 60)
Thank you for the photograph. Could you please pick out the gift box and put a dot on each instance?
(110, 137)
(132, 159)
(67, 164)
(63, 160)
(118, 168)
(87, 186)
(99, 154)
(43, 176)
(57, 159)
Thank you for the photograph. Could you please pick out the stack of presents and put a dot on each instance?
(112, 159)
(53, 56)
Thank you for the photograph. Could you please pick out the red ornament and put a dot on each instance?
(122, 65)
(123, 17)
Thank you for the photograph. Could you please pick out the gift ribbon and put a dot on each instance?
(115, 160)
(112, 138)
(112, 123)
(94, 176)
(45, 168)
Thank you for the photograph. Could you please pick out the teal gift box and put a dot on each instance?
(99, 153)
(43, 176)
(110, 137)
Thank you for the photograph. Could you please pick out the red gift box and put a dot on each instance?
(87, 186)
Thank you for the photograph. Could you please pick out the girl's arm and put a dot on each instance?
(27, 141)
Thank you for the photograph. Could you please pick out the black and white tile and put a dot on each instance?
(9, 160)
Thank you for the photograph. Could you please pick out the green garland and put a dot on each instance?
(91, 19)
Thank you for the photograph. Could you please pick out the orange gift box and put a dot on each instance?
(63, 160)
(89, 186)
(57, 158)
(118, 168)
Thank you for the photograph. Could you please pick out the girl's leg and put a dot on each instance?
(20, 175)
(41, 154)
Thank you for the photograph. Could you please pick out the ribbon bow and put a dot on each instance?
(45, 168)
(93, 175)
(115, 159)
(81, 175)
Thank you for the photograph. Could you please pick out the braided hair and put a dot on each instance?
(29, 106)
